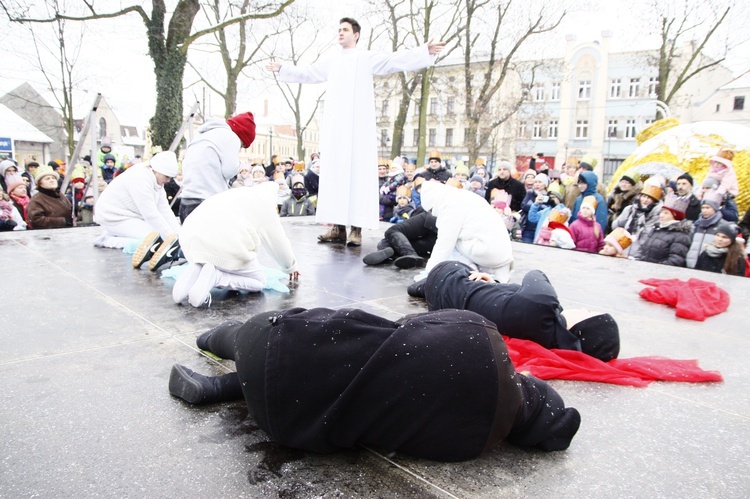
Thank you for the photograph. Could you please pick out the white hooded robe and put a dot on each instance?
(348, 192)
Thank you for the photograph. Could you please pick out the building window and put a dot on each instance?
(612, 128)
(582, 129)
(653, 86)
(539, 92)
(102, 127)
(384, 107)
(433, 105)
(552, 132)
(432, 134)
(614, 88)
(448, 137)
(630, 129)
(537, 130)
(415, 141)
(466, 136)
(584, 89)
(718, 107)
(522, 129)
(739, 103)
(417, 104)
(555, 94)
(450, 105)
(635, 87)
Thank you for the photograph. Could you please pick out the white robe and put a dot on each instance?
(348, 192)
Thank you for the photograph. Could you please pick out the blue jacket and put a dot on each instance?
(601, 205)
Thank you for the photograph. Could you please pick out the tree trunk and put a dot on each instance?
(424, 96)
(168, 114)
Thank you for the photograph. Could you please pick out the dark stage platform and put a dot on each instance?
(87, 343)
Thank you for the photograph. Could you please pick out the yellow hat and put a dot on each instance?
(299, 166)
(480, 162)
(620, 239)
(382, 162)
(589, 201)
(453, 181)
(560, 216)
(435, 154)
(652, 191)
(404, 191)
(418, 181)
(725, 157)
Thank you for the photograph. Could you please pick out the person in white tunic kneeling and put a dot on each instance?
(221, 240)
(348, 191)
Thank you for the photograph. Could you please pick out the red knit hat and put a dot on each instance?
(244, 126)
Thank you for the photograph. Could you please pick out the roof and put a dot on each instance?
(742, 81)
(17, 128)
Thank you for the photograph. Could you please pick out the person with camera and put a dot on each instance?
(539, 198)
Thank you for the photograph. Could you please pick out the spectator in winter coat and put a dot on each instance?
(435, 169)
(212, 158)
(387, 198)
(469, 230)
(404, 207)
(727, 204)
(297, 205)
(623, 195)
(538, 199)
(10, 219)
(588, 235)
(668, 241)
(724, 255)
(685, 189)
(452, 408)
(587, 183)
(641, 215)
(529, 311)
(49, 208)
(706, 226)
(505, 182)
(721, 168)
(476, 185)
(312, 181)
(18, 193)
(221, 240)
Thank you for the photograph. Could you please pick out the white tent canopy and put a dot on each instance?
(18, 129)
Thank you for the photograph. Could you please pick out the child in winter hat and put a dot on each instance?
(616, 243)
(722, 169)
(588, 235)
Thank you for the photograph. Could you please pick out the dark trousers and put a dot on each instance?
(246, 344)
(187, 205)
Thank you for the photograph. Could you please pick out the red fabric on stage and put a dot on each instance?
(568, 364)
(694, 299)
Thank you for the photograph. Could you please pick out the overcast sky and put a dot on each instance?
(114, 59)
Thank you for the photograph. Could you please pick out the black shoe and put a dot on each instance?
(188, 385)
(417, 289)
(169, 251)
(202, 340)
(146, 249)
(378, 257)
(409, 261)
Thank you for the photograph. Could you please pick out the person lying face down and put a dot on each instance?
(528, 311)
(436, 385)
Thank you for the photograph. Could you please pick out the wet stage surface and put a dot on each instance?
(87, 343)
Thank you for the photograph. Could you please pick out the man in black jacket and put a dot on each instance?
(507, 183)
(685, 188)
(435, 169)
(438, 385)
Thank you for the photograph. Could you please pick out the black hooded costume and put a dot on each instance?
(528, 311)
(437, 385)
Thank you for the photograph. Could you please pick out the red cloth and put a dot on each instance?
(244, 126)
(569, 364)
(694, 299)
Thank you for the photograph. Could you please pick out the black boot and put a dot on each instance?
(378, 257)
(408, 258)
(202, 340)
(417, 289)
(195, 388)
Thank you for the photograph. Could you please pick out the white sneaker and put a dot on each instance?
(185, 281)
(200, 292)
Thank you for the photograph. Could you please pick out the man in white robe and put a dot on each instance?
(348, 191)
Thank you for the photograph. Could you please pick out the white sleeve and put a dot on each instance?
(403, 60)
(314, 73)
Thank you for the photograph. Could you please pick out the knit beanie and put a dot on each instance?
(243, 125)
(43, 171)
(711, 183)
(505, 164)
(462, 169)
(599, 335)
(544, 179)
(712, 198)
(688, 177)
(259, 168)
(728, 229)
(477, 178)
(5, 164)
(543, 420)
(165, 163)
(13, 180)
(629, 179)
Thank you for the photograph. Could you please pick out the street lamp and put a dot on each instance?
(270, 143)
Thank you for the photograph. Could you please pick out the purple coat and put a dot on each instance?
(584, 232)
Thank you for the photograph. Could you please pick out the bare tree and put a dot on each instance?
(168, 49)
(238, 50)
(302, 100)
(685, 29)
(491, 26)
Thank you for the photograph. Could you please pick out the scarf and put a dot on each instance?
(638, 219)
(705, 223)
(53, 193)
(714, 251)
(23, 202)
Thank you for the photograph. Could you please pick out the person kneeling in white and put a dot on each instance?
(469, 231)
(221, 240)
(135, 203)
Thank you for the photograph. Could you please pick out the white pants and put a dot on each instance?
(251, 279)
(133, 228)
